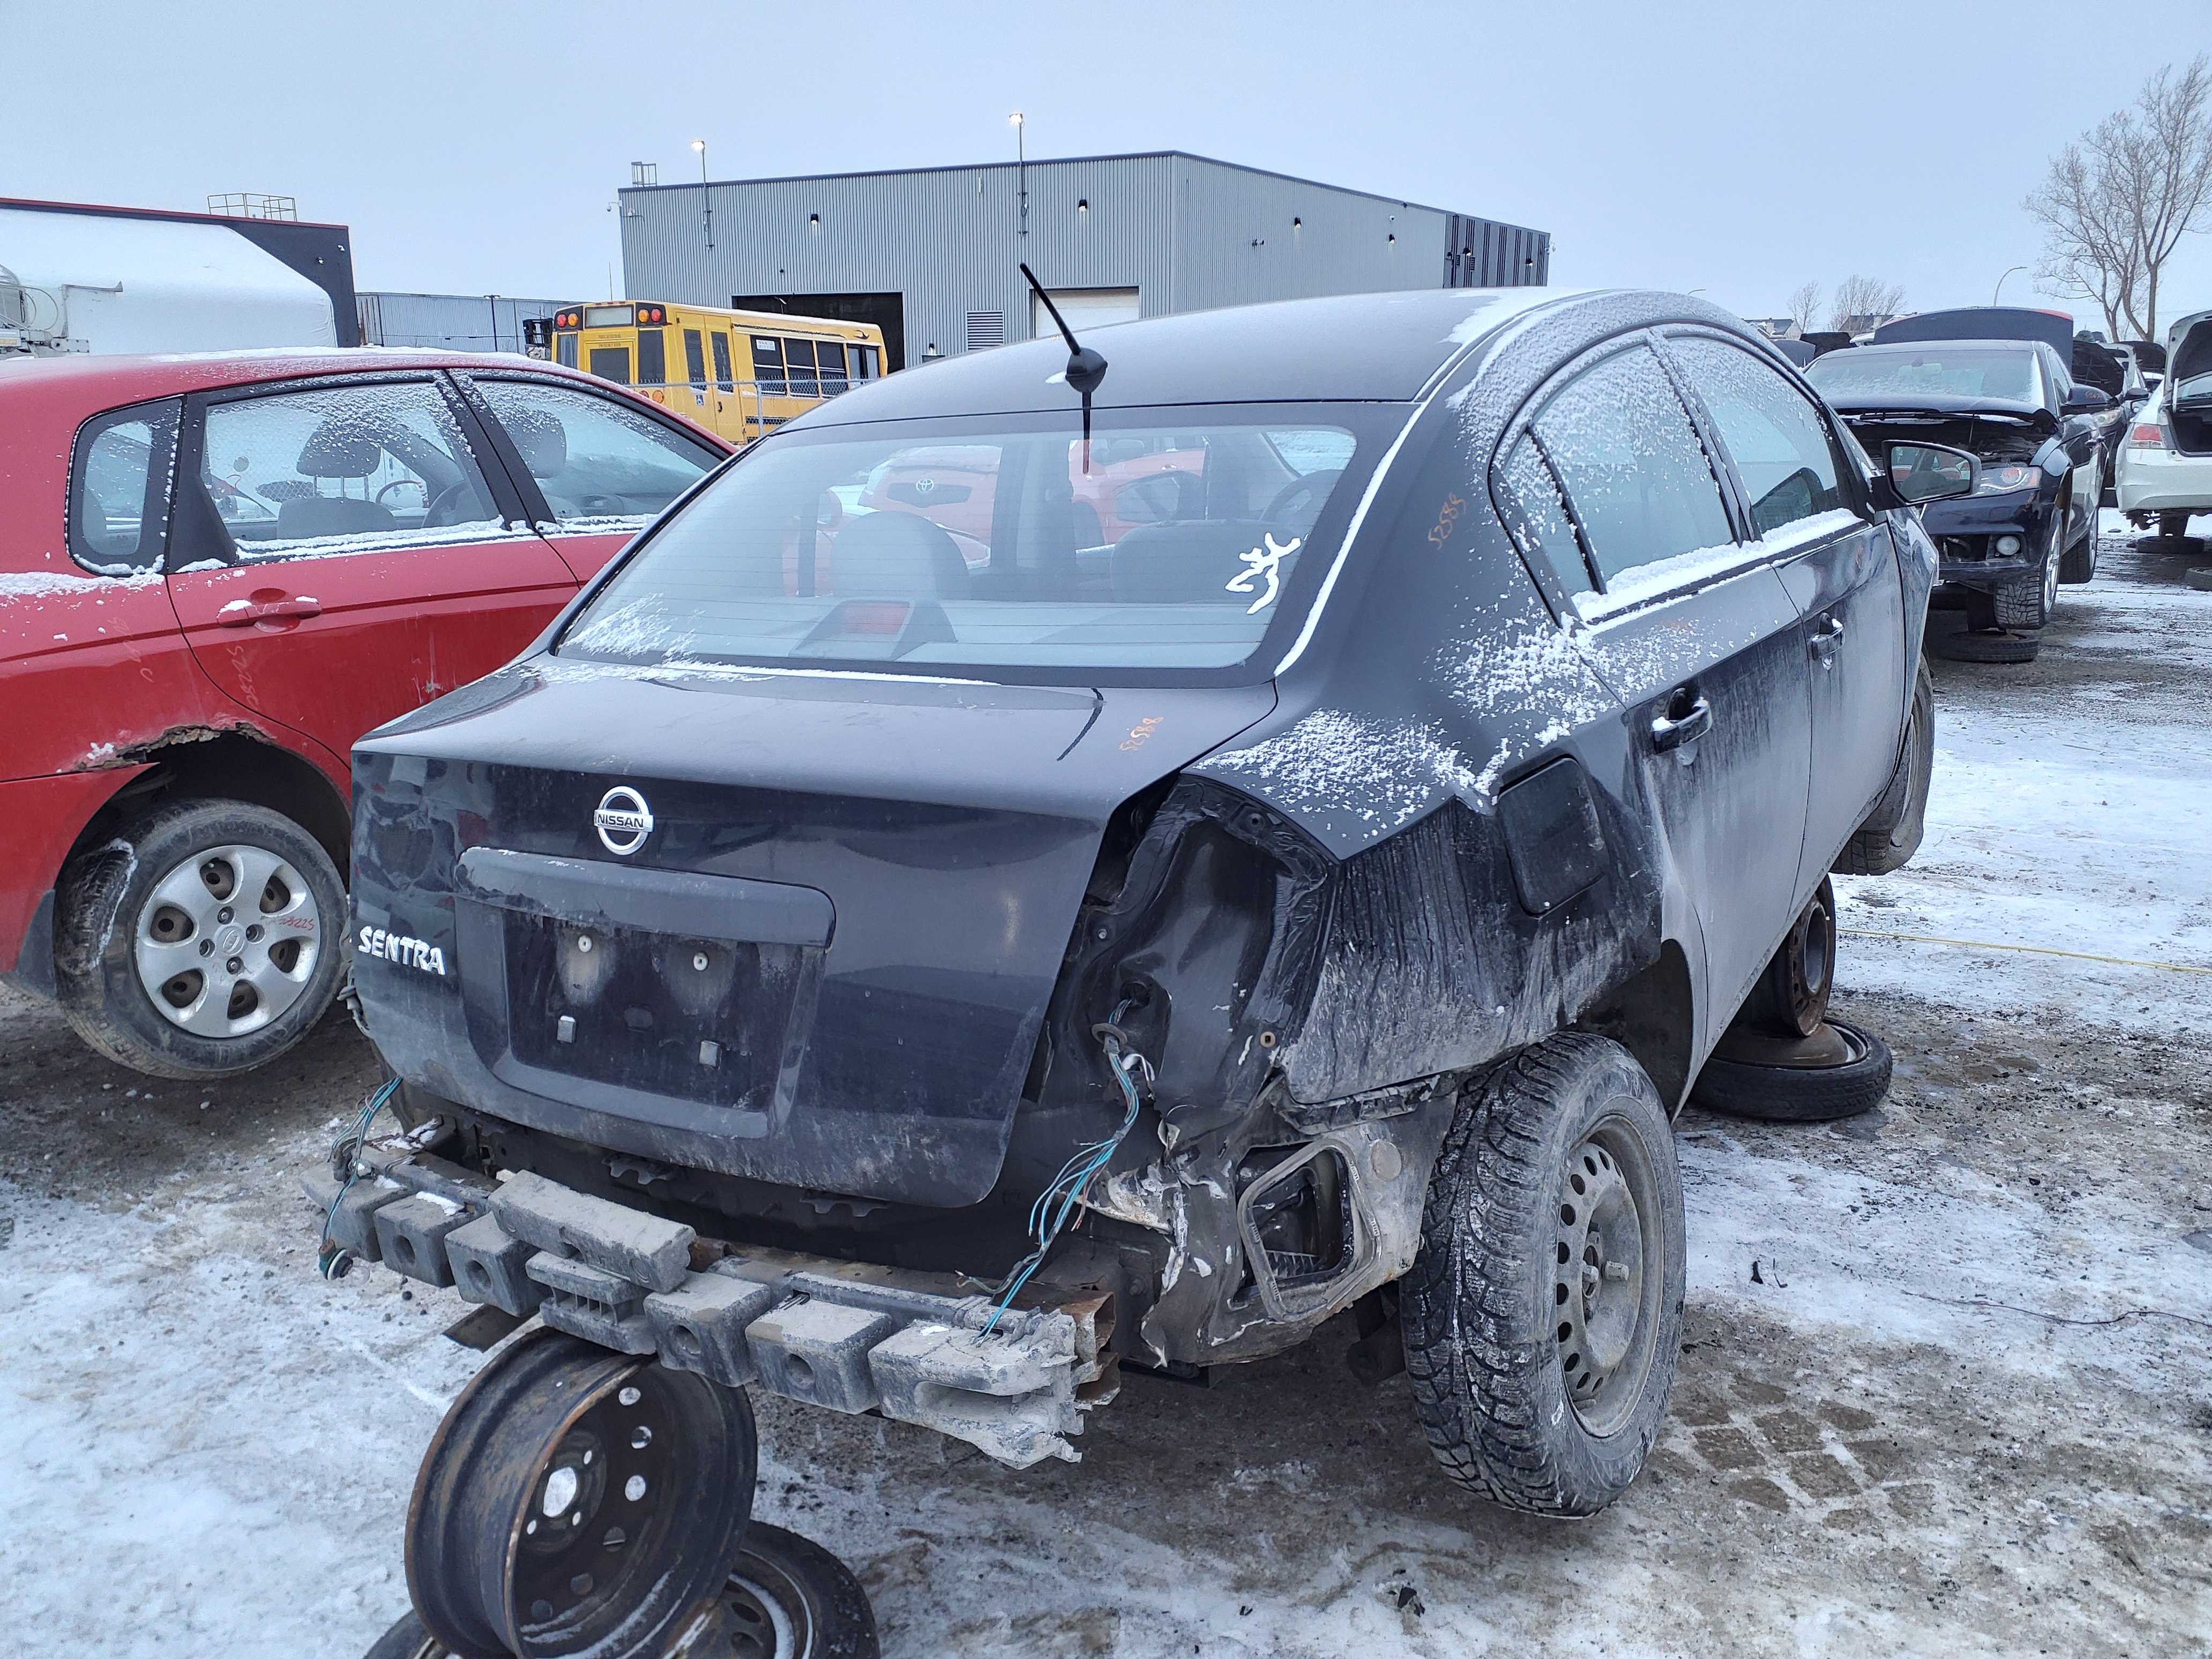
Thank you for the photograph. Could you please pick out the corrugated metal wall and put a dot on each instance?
(457, 322)
(1187, 233)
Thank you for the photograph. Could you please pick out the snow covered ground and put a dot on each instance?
(1964, 1407)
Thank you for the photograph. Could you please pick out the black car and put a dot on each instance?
(2031, 523)
(922, 959)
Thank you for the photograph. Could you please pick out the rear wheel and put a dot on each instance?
(1543, 1315)
(203, 939)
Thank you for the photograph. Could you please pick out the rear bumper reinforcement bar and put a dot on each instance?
(846, 1336)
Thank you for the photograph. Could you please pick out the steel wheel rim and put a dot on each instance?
(768, 1619)
(227, 941)
(602, 1502)
(1608, 1267)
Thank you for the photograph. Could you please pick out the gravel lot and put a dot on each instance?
(1963, 1406)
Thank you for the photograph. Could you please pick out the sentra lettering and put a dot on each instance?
(397, 947)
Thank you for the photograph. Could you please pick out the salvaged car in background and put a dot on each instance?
(2031, 524)
(2166, 466)
(215, 573)
(916, 961)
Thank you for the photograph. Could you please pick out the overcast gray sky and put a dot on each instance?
(1737, 147)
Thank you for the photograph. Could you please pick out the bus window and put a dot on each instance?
(831, 353)
(695, 359)
(861, 359)
(564, 349)
(721, 341)
(652, 357)
(768, 364)
(798, 364)
(612, 363)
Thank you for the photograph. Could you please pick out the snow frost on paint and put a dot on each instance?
(68, 584)
(1382, 773)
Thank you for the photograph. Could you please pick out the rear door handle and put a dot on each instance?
(1670, 731)
(244, 613)
(1825, 638)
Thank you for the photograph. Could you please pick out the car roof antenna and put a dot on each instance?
(1085, 368)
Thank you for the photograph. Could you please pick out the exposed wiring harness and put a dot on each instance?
(332, 1258)
(1059, 1201)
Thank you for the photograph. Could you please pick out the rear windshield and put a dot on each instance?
(1958, 371)
(1175, 544)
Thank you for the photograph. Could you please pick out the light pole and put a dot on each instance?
(2001, 282)
(1021, 166)
(705, 195)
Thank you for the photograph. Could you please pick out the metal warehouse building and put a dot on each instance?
(931, 254)
(449, 322)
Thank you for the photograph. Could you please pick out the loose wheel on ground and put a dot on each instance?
(786, 1598)
(1542, 1317)
(204, 937)
(1847, 1071)
(577, 1501)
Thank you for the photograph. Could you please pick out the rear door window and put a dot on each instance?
(118, 491)
(695, 359)
(1776, 438)
(1634, 466)
(342, 468)
(612, 363)
(594, 459)
(720, 343)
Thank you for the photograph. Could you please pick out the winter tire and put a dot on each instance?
(1543, 1314)
(2027, 600)
(1971, 645)
(203, 939)
(2079, 564)
(1893, 831)
(789, 1598)
(1794, 1094)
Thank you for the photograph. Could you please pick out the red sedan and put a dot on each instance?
(215, 574)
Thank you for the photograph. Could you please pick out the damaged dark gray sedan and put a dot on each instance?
(987, 892)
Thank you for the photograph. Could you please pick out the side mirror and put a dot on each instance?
(1918, 473)
(2084, 400)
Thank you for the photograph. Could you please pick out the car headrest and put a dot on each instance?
(308, 516)
(541, 439)
(1188, 563)
(895, 554)
(341, 447)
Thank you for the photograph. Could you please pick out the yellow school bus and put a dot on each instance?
(738, 373)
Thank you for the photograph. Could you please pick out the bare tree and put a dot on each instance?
(1864, 300)
(1804, 307)
(2118, 200)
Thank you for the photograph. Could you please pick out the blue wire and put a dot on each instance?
(325, 1259)
(1069, 1186)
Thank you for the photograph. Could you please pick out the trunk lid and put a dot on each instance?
(826, 960)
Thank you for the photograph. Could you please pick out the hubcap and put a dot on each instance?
(1606, 1276)
(227, 941)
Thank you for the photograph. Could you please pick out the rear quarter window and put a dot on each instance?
(118, 499)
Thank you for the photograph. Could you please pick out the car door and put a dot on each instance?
(1840, 568)
(594, 469)
(340, 557)
(1697, 635)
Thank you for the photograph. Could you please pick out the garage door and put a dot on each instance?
(1084, 308)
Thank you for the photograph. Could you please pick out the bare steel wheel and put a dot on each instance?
(199, 939)
(227, 939)
(1608, 1305)
(577, 1502)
